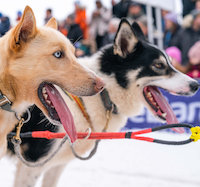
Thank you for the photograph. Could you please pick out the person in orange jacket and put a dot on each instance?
(80, 18)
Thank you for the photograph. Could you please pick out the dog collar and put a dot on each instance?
(108, 104)
(5, 103)
(80, 105)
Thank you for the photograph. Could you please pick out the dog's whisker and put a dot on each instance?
(41, 114)
(77, 40)
(43, 120)
(48, 124)
(32, 107)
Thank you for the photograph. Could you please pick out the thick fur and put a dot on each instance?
(127, 67)
(27, 59)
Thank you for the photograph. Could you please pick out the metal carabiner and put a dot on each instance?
(28, 118)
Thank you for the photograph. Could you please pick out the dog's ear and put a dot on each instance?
(125, 39)
(138, 31)
(52, 23)
(24, 31)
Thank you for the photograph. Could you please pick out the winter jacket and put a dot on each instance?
(47, 19)
(170, 39)
(99, 25)
(132, 18)
(80, 18)
(108, 38)
(185, 40)
(74, 32)
(188, 5)
(192, 69)
(120, 10)
(4, 26)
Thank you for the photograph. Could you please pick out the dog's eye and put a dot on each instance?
(159, 66)
(58, 54)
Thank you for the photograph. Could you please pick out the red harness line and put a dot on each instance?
(119, 135)
(96, 135)
(124, 135)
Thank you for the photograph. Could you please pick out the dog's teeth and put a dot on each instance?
(45, 95)
(149, 94)
(154, 103)
(49, 102)
(158, 107)
(44, 90)
(151, 98)
(164, 115)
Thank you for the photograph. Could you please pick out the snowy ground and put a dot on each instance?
(129, 163)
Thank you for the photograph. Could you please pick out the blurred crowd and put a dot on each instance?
(182, 40)
(180, 36)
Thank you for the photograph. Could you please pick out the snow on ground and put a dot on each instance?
(129, 163)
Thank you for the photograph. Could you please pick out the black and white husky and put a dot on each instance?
(133, 70)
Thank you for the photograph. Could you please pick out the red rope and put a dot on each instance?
(112, 135)
(95, 135)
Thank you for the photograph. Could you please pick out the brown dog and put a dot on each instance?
(32, 60)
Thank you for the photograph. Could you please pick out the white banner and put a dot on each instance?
(163, 4)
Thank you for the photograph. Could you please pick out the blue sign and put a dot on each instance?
(186, 109)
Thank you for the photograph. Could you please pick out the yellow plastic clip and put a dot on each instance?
(195, 133)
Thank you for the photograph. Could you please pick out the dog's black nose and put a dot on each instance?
(194, 86)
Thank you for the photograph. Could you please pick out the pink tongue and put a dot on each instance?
(63, 111)
(165, 107)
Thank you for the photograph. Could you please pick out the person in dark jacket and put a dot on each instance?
(189, 36)
(120, 9)
(188, 5)
(192, 68)
(99, 23)
(74, 30)
(48, 15)
(172, 30)
(4, 25)
(135, 11)
(112, 30)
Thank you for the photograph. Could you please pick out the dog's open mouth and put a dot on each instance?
(160, 106)
(57, 108)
